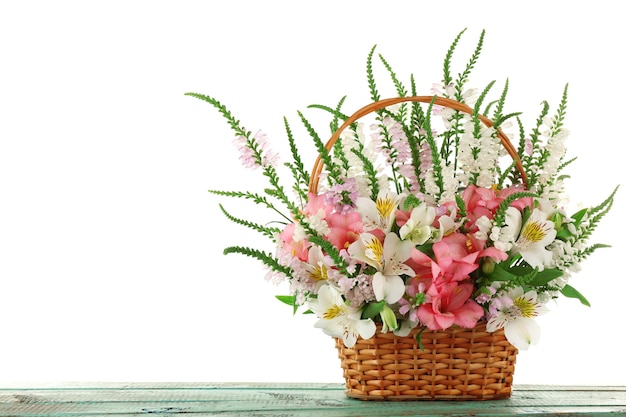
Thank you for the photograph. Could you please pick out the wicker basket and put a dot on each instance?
(452, 364)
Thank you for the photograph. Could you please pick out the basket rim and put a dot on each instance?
(436, 100)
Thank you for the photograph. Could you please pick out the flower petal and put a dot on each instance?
(468, 315)
(394, 289)
(366, 328)
(522, 332)
(378, 285)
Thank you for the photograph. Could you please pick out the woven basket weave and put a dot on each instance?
(454, 364)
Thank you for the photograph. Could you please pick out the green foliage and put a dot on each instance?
(370, 172)
(401, 91)
(410, 202)
(267, 259)
(560, 114)
(290, 300)
(587, 220)
(374, 94)
(531, 160)
(299, 173)
(234, 123)
(430, 139)
(335, 112)
(373, 309)
(500, 216)
(266, 231)
(334, 174)
(571, 292)
(447, 77)
(464, 76)
(461, 205)
(339, 262)
(255, 197)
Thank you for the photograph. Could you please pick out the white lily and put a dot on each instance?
(418, 227)
(378, 214)
(388, 259)
(516, 312)
(533, 237)
(338, 319)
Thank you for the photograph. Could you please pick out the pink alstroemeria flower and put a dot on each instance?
(520, 203)
(453, 259)
(421, 264)
(299, 249)
(317, 203)
(449, 304)
(478, 245)
(481, 201)
(344, 228)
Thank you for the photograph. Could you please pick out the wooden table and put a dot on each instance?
(324, 400)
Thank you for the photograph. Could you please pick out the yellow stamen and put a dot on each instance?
(385, 206)
(332, 312)
(319, 274)
(376, 248)
(533, 232)
(526, 308)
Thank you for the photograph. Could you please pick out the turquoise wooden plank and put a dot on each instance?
(327, 400)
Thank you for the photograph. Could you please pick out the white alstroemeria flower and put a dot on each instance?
(418, 228)
(338, 319)
(533, 237)
(388, 259)
(447, 224)
(516, 312)
(378, 214)
(317, 266)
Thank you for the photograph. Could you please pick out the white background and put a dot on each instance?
(111, 264)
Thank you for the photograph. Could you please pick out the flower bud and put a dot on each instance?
(488, 266)
(557, 218)
(389, 318)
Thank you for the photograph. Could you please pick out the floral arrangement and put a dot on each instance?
(422, 218)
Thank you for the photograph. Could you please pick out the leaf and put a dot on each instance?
(579, 215)
(519, 275)
(290, 300)
(373, 309)
(545, 276)
(564, 233)
(501, 274)
(572, 292)
(418, 338)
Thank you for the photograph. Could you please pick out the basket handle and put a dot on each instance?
(441, 101)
